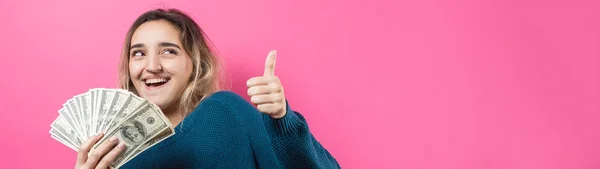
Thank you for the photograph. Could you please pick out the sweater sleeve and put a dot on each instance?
(294, 145)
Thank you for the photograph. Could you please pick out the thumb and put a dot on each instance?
(270, 63)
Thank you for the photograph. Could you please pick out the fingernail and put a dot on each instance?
(122, 144)
(99, 134)
(113, 138)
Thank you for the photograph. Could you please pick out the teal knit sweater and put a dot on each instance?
(225, 131)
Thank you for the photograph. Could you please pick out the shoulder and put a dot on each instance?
(226, 107)
(226, 100)
(225, 96)
(222, 107)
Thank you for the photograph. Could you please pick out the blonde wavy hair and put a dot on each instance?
(205, 78)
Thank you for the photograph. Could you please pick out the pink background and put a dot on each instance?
(428, 84)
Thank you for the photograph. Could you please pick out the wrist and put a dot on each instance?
(278, 115)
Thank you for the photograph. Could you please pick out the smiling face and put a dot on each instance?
(167, 60)
(159, 67)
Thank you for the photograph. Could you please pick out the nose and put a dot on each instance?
(154, 64)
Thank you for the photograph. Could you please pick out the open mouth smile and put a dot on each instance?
(155, 82)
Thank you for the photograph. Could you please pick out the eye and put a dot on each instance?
(137, 53)
(169, 51)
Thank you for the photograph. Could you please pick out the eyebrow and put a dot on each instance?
(162, 44)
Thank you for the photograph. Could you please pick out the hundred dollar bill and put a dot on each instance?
(100, 105)
(60, 136)
(76, 114)
(80, 113)
(106, 101)
(117, 104)
(92, 99)
(131, 104)
(168, 132)
(160, 137)
(61, 140)
(61, 127)
(86, 114)
(158, 108)
(136, 129)
(71, 122)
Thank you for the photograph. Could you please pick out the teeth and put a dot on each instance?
(157, 80)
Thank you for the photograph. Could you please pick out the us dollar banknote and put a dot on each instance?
(136, 129)
(135, 121)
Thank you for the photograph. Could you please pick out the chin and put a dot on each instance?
(161, 103)
(162, 96)
(156, 101)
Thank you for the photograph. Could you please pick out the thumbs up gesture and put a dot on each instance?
(266, 91)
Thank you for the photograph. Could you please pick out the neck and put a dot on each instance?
(173, 114)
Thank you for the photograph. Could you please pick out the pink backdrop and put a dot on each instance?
(428, 84)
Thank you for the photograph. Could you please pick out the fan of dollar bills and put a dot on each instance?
(115, 112)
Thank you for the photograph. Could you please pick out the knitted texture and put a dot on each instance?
(225, 131)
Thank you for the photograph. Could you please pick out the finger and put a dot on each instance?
(108, 158)
(82, 154)
(265, 98)
(96, 154)
(258, 90)
(264, 89)
(270, 63)
(262, 80)
(269, 108)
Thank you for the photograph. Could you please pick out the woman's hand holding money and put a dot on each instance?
(100, 157)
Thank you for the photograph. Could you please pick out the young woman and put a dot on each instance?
(167, 61)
